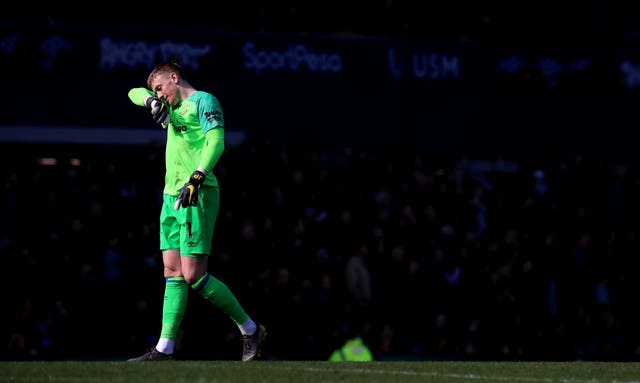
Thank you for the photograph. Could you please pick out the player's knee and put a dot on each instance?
(191, 277)
(170, 272)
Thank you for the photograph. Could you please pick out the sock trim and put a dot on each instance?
(201, 283)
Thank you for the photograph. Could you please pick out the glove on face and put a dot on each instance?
(159, 110)
(189, 193)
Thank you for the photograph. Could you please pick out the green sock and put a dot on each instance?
(176, 292)
(216, 292)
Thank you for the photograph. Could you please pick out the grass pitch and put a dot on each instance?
(318, 371)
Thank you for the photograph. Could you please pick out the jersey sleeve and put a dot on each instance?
(209, 112)
(213, 149)
(138, 95)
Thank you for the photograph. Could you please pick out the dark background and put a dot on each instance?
(470, 256)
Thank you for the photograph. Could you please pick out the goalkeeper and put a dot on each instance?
(191, 199)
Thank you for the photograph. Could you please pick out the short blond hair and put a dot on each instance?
(165, 67)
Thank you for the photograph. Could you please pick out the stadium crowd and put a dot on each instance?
(426, 256)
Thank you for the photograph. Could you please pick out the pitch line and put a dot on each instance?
(473, 377)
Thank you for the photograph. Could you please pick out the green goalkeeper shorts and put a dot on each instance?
(190, 229)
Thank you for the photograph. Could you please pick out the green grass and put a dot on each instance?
(319, 371)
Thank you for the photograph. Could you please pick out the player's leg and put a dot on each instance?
(175, 303)
(176, 292)
(195, 253)
(219, 294)
(176, 288)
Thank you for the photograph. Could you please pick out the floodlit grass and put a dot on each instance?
(319, 371)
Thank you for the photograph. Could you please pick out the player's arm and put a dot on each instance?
(139, 96)
(211, 153)
(211, 120)
(145, 97)
(213, 149)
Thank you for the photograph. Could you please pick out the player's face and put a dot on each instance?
(164, 84)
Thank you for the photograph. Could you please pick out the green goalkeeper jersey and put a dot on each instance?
(195, 138)
(195, 124)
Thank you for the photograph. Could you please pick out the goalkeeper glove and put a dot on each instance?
(189, 193)
(159, 110)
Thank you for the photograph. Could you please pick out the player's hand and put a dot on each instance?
(159, 110)
(189, 193)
